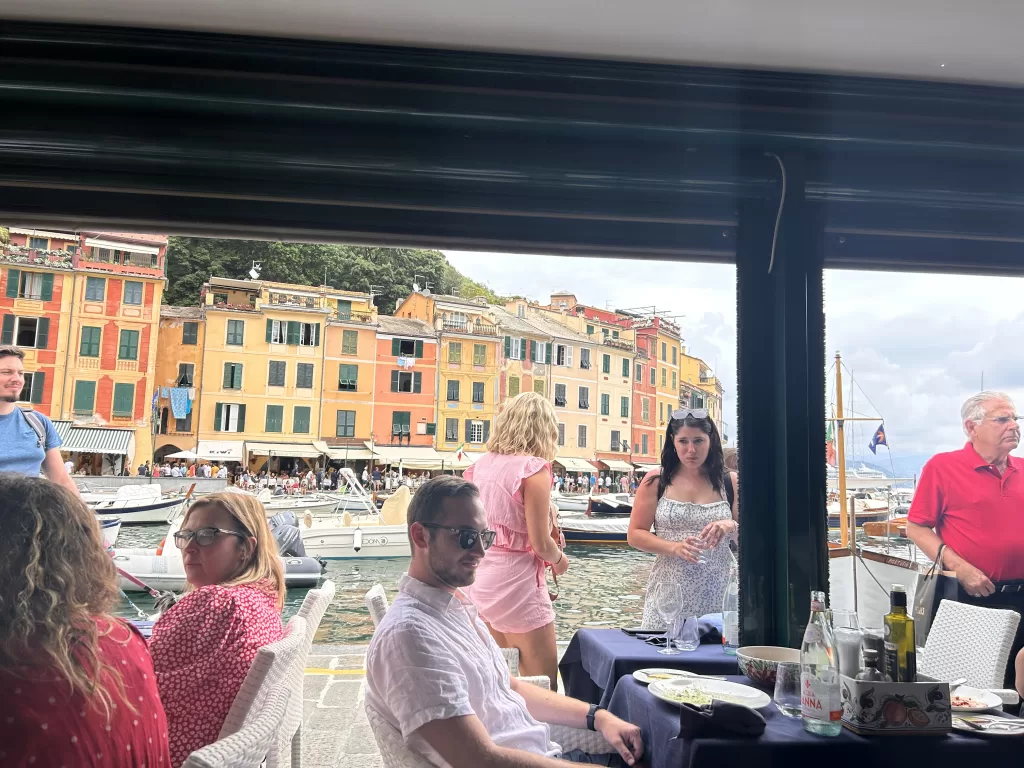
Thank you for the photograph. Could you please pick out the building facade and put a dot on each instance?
(405, 383)
(350, 375)
(700, 388)
(179, 366)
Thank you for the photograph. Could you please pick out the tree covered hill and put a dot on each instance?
(192, 260)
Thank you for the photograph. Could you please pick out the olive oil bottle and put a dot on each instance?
(900, 651)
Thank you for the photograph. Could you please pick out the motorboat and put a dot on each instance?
(865, 511)
(610, 504)
(314, 503)
(110, 529)
(136, 504)
(589, 530)
(577, 502)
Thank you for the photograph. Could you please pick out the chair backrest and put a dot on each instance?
(248, 746)
(271, 668)
(314, 606)
(393, 751)
(968, 641)
(377, 603)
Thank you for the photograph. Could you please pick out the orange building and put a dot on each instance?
(179, 363)
(405, 383)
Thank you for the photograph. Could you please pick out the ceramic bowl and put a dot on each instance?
(758, 662)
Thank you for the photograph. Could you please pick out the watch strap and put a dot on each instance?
(590, 716)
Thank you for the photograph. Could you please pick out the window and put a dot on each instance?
(451, 430)
(697, 401)
(584, 358)
(38, 243)
(349, 342)
(404, 381)
(673, 379)
(344, 310)
(229, 417)
(431, 428)
(218, 298)
(453, 391)
(89, 347)
(625, 368)
(407, 348)
(300, 420)
(590, 330)
(616, 441)
(348, 378)
(581, 436)
(513, 348)
(454, 351)
(236, 332)
(560, 395)
(664, 352)
(513, 386)
(400, 424)
(85, 398)
(584, 398)
(96, 289)
(664, 377)
(479, 354)
(304, 376)
(124, 399)
(675, 356)
(128, 349)
(132, 292)
(476, 431)
(639, 372)
(606, 405)
(275, 419)
(346, 424)
(276, 373)
(615, 334)
(186, 375)
(309, 334)
(661, 443)
(478, 391)
(563, 355)
(30, 285)
(184, 425)
(606, 363)
(645, 409)
(561, 435)
(541, 351)
(32, 392)
(538, 386)
(623, 406)
(654, 379)
(661, 412)
(643, 444)
(26, 331)
(190, 333)
(232, 376)
(276, 331)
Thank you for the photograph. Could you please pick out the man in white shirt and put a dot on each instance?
(69, 467)
(436, 674)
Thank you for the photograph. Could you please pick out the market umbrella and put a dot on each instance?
(189, 455)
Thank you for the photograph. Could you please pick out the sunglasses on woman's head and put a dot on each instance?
(204, 536)
(694, 413)
(467, 536)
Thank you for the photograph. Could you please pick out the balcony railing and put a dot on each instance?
(476, 329)
(618, 344)
(89, 363)
(30, 256)
(355, 317)
(127, 365)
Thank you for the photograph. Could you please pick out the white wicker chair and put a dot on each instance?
(248, 746)
(273, 667)
(968, 641)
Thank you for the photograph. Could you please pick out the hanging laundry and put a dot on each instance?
(164, 393)
(179, 402)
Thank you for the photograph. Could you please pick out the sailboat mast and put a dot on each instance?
(844, 527)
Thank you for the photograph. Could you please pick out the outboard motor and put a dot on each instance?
(285, 529)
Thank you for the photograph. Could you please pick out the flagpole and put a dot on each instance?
(844, 528)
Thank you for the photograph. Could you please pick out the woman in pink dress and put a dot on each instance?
(514, 478)
(203, 646)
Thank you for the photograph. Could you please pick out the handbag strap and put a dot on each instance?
(937, 565)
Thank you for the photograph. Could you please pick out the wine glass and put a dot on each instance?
(849, 640)
(667, 600)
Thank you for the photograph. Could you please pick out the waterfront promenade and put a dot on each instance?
(335, 731)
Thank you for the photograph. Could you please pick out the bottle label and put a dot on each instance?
(892, 662)
(819, 700)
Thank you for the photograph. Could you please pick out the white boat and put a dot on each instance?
(136, 504)
(110, 529)
(314, 503)
(877, 569)
(570, 503)
(589, 530)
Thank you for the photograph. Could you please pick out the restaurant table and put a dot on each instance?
(786, 743)
(596, 658)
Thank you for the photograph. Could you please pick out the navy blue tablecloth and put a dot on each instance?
(786, 743)
(596, 658)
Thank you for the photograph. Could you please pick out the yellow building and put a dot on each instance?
(699, 387)
(667, 373)
(525, 358)
(467, 387)
(179, 365)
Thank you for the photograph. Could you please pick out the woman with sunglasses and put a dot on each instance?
(514, 478)
(692, 503)
(204, 645)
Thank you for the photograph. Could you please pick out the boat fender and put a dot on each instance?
(308, 519)
(357, 539)
(160, 547)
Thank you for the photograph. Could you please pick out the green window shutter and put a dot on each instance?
(124, 399)
(241, 418)
(47, 286)
(13, 279)
(226, 383)
(270, 329)
(274, 417)
(218, 411)
(316, 334)
(36, 396)
(300, 420)
(417, 379)
(396, 348)
(419, 348)
(7, 335)
(394, 381)
(624, 406)
(344, 310)
(547, 354)
(487, 431)
(431, 429)
(606, 363)
(89, 346)
(522, 349)
(508, 346)
(533, 349)
(43, 332)
(85, 397)
(605, 404)
(469, 428)
(236, 378)
(625, 367)
(293, 332)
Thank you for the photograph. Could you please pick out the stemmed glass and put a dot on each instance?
(667, 599)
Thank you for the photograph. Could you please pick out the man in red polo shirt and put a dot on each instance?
(970, 504)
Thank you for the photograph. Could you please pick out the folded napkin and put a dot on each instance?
(719, 719)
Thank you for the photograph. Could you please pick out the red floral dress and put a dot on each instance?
(202, 650)
(44, 725)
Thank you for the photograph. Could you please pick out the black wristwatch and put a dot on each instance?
(590, 716)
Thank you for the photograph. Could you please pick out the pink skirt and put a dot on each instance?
(507, 592)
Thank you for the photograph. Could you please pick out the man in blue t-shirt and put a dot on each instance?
(23, 450)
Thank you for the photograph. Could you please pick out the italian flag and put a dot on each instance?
(460, 455)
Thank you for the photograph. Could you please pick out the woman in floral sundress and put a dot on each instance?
(690, 506)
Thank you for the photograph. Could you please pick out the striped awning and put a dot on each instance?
(118, 442)
(575, 465)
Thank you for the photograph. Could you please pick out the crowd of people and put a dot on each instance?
(594, 482)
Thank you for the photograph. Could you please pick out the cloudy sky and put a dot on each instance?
(916, 345)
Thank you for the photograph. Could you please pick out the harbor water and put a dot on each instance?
(603, 587)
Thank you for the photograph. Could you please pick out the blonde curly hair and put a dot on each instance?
(526, 426)
(57, 588)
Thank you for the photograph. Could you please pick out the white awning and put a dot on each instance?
(414, 457)
(288, 450)
(648, 467)
(220, 450)
(341, 453)
(617, 465)
(467, 460)
(132, 247)
(575, 465)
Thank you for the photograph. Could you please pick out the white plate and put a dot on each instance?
(644, 675)
(722, 690)
(987, 699)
